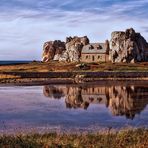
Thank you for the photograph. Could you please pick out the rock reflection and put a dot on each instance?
(121, 100)
(53, 92)
(74, 98)
(127, 100)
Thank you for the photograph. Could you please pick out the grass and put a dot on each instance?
(62, 66)
(4, 76)
(54, 66)
(137, 138)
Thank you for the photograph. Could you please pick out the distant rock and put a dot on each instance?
(52, 50)
(127, 46)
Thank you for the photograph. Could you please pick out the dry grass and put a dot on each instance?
(61, 66)
(65, 67)
(4, 76)
(123, 139)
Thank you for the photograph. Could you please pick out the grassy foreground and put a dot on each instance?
(130, 138)
(66, 67)
(33, 72)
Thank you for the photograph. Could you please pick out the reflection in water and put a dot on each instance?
(121, 100)
(53, 92)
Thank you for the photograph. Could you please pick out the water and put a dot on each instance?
(72, 107)
(13, 62)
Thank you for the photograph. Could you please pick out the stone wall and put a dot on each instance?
(73, 74)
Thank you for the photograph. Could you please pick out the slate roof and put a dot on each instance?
(94, 48)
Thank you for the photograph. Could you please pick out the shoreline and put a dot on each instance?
(56, 81)
(38, 78)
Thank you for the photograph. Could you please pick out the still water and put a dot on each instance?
(72, 107)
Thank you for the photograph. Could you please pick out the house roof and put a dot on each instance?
(94, 48)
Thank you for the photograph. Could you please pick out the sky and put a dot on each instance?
(26, 24)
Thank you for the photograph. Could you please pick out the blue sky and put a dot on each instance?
(26, 24)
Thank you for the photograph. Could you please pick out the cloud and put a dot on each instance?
(25, 24)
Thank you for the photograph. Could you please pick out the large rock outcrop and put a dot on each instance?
(73, 48)
(52, 50)
(69, 51)
(127, 46)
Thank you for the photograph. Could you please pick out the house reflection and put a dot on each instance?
(121, 100)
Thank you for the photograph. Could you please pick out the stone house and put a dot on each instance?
(94, 52)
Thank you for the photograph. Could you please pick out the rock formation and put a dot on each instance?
(61, 51)
(73, 48)
(127, 46)
(52, 50)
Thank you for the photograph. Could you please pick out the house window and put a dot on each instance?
(99, 57)
(99, 47)
(91, 47)
(93, 58)
(87, 57)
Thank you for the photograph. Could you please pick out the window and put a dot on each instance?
(91, 47)
(87, 57)
(99, 47)
(99, 57)
(93, 90)
(93, 58)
